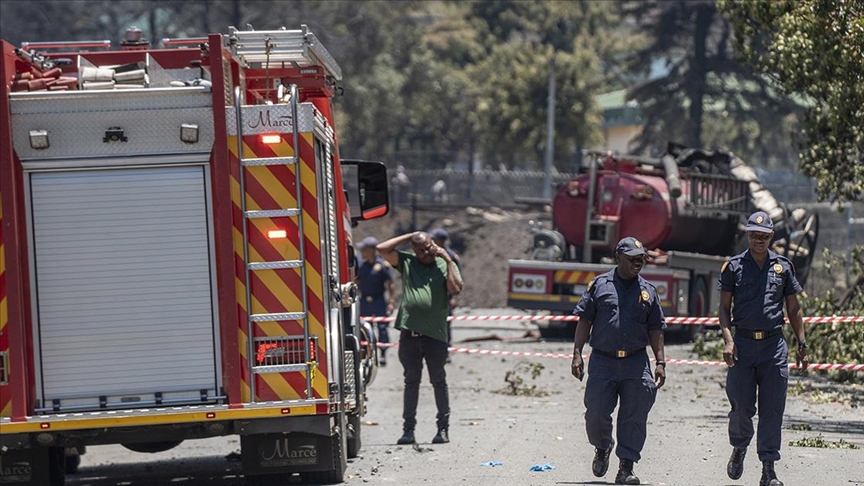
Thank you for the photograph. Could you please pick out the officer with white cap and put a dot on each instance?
(754, 286)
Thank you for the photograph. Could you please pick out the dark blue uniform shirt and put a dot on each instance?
(372, 277)
(621, 315)
(758, 294)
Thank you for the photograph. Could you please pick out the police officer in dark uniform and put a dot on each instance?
(620, 313)
(753, 288)
(376, 289)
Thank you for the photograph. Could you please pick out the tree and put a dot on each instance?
(814, 48)
(696, 92)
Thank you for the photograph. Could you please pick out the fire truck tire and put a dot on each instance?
(72, 463)
(56, 466)
(335, 475)
(152, 447)
(354, 440)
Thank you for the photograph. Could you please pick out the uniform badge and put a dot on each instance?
(644, 296)
(778, 269)
(637, 243)
(376, 267)
(759, 219)
(723, 268)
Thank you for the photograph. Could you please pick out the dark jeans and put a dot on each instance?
(413, 349)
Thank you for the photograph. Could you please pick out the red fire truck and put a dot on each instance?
(176, 255)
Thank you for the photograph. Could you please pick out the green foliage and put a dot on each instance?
(821, 443)
(516, 384)
(814, 48)
(697, 93)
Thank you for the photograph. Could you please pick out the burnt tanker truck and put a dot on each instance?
(688, 208)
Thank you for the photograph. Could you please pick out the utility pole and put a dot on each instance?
(550, 133)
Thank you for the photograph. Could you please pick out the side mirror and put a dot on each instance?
(370, 198)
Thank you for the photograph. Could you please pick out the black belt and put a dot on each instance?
(757, 335)
(406, 332)
(618, 354)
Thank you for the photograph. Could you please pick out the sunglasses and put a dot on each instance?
(759, 236)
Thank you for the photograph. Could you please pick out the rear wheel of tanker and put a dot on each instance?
(698, 308)
(558, 330)
(335, 475)
(354, 441)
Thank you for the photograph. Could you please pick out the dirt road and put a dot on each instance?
(686, 445)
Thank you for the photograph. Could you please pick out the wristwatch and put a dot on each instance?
(661, 363)
(802, 344)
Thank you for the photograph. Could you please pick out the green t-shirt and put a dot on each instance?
(425, 303)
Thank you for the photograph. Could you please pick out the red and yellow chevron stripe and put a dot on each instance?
(279, 291)
(573, 277)
(5, 394)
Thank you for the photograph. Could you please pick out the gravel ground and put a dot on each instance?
(686, 444)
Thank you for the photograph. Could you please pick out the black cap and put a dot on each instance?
(630, 246)
(760, 222)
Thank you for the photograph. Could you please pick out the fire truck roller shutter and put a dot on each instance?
(124, 290)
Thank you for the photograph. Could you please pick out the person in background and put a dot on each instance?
(621, 315)
(754, 286)
(440, 237)
(376, 290)
(429, 276)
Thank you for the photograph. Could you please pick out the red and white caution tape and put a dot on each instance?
(697, 321)
(528, 354)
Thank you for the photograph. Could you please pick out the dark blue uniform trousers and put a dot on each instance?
(628, 380)
(761, 370)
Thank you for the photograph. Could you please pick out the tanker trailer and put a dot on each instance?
(688, 208)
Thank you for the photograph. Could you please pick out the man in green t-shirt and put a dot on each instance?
(429, 277)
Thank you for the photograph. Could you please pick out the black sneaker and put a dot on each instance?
(441, 437)
(407, 438)
(625, 473)
(735, 468)
(601, 460)
(769, 477)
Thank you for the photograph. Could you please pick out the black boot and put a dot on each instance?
(441, 437)
(769, 477)
(601, 460)
(407, 438)
(735, 468)
(625, 473)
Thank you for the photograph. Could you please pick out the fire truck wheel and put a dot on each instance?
(354, 439)
(56, 466)
(152, 447)
(334, 476)
(72, 463)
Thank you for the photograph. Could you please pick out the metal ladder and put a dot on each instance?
(300, 48)
(251, 267)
